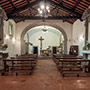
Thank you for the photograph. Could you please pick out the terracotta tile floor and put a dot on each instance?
(45, 77)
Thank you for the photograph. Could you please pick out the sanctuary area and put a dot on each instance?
(44, 44)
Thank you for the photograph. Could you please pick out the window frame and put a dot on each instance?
(10, 31)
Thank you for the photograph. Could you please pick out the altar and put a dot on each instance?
(45, 52)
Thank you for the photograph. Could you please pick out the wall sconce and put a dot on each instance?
(13, 40)
(7, 37)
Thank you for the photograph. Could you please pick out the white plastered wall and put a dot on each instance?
(19, 27)
(11, 45)
(79, 35)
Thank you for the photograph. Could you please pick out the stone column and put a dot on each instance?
(86, 31)
(86, 17)
(1, 27)
(2, 18)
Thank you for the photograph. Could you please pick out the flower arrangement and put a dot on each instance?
(5, 46)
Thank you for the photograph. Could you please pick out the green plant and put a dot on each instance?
(88, 46)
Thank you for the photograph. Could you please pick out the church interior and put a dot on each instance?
(44, 44)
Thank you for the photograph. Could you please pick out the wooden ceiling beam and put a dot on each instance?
(6, 5)
(80, 3)
(76, 4)
(60, 1)
(11, 2)
(57, 12)
(49, 1)
(88, 2)
(3, 2)
(24, 7)
(30, 8)
(64, 8)
(40, 18)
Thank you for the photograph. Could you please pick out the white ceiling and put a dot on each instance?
(39, 29)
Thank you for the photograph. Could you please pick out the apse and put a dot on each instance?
(43, 37)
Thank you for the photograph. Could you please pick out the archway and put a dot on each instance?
(39, 24)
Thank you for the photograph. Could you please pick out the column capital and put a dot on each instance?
(3, 14)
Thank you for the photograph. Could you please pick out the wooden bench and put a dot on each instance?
(19, 65)
(64, 56)
(74, 67)
(71, 65)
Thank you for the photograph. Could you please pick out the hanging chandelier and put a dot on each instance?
(44, 29)
(44, 10)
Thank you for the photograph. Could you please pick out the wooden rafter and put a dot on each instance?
(50, 17)
(59, 9)
(63, 7)
(24, 7)
(12, 4)
(30, 9)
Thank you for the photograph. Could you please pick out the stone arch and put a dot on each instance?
(39, 24)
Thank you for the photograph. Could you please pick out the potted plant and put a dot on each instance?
(88, 46)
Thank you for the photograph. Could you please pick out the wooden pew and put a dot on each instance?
(26, 56)
(56, 57)
(70, 67)
(19, 65)
(22, 63)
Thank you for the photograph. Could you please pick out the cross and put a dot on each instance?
(41, 39)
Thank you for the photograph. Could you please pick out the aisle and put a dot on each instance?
(45, 77)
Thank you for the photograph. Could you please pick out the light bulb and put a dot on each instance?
(40, 12)
(38, 9)
(49, 11)
(42, 6)
(47, 7)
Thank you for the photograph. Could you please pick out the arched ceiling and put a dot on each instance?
(39, 29)
(67, 10)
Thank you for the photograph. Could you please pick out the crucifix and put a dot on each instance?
(41, 39)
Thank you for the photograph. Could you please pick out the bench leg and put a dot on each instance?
(16, 74)
(77, 75)
(3, 73)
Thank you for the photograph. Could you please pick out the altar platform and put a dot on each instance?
(45, 52)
